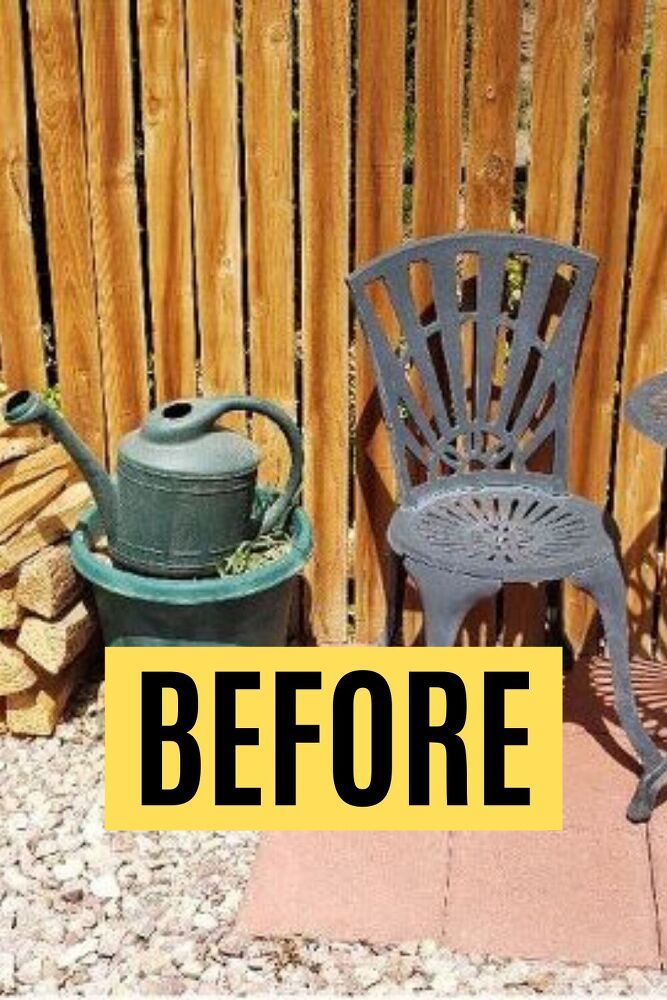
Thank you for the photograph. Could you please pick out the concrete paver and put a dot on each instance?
(594, 892)
(382, 887)
(657, 835)
(579, 895)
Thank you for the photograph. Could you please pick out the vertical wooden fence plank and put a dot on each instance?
(55, 61)
(493, 114)
(552, 192)
(216, 194)
(556, 113)
(164, 102)
(20, 325)
(639, 461)
(379, 226)
(617, 49)
(325, 148)
(110, 135)
(267, 92)
(491, 160)
(438, 152)
(439, 115)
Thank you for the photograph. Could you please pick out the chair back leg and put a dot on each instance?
(604, 582)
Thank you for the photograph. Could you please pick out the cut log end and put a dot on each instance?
(11, 614)
(53, 645)
(47, 583)
(17, 673)
(36, 712)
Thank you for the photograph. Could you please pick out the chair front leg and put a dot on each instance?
(605, 583)
(447, 598)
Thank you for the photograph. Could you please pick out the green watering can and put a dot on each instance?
(184, 493)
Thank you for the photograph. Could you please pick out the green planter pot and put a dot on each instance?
(250, 609)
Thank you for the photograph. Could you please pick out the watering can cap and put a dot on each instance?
(181, 438)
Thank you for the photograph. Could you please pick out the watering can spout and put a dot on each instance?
(28, 407)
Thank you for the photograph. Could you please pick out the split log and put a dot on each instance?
(13, 448)
(50, 525)
(20, 506)
(10, 612)
(36, 712)
(48, 583)
(53, 645)
(26, 470)
(3, 716)
(17, 673)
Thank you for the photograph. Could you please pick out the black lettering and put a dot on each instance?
(229, 736)
(422, 734)
(497, 736)
(154, 733)
(288, 732)
(343, 738)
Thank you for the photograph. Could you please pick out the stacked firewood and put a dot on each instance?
(48, 630)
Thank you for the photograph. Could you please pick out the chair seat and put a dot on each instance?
(522, 533)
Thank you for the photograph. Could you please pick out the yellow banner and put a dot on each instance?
(335, 738)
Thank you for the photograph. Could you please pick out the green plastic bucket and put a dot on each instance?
(250, 609)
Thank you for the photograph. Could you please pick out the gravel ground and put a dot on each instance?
(83, 911)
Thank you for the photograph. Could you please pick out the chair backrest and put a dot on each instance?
(474, 338)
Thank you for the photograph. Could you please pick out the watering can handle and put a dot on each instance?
(276, 513)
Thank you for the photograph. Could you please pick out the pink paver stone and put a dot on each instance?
(583, 896)
(658, 848)
(384, 887)
(599, 778)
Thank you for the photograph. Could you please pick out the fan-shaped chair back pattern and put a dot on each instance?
(474, 338)
(477, 379)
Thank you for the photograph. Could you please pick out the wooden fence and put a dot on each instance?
(185, 183)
